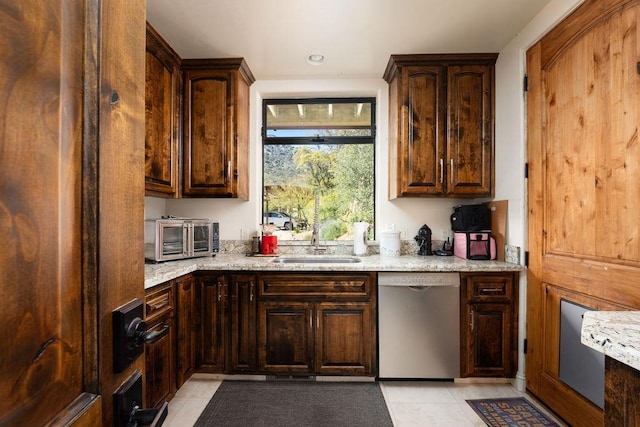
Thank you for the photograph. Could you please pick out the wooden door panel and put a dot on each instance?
(242, 305)
(41, 80)
(207, 156)
(343, 338)
(161, 116)
(583, 106)
(285, 340)
(423, 155)
(211, 323)
(470, 126)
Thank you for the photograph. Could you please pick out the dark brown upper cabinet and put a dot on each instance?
(162, 117)
(441, 120)
(216, 128)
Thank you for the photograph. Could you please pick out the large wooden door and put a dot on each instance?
(583, 110)
(71, 94)
(41, 75)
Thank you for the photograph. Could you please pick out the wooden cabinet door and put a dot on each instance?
(216, 128)
(488, 341)
(185, 327)
(343, 343)
(470, 130)
(489, 324)
(421, 148)
(285, 337)
(441, 114)
(208, 133)
(211, 322)
(242, 316)
(159, 365)
(161, 117)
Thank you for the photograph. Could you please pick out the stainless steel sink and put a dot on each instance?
(316, 259)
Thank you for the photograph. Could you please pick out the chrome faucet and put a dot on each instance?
(315, 235)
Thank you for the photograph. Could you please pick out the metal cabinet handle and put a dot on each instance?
(441, 170)
(491, 289)
(251, 291)
(451, 171)
(471, 322)
(219, 291)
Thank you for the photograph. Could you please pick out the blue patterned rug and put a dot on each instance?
(514, 411)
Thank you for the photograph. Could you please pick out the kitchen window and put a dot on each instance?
(318, 163)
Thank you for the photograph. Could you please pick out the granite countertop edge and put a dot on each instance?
(156, 274)
(614, 333)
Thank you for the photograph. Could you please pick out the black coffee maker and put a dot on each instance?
(424, 241)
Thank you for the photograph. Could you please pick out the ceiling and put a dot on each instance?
(355, 36)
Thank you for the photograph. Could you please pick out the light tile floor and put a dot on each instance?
(423, 403)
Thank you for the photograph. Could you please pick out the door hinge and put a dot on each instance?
(526, 258)
(525, 83)
(524, 346)
(526, 170)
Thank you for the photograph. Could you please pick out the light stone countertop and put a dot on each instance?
(614, 333)
(156, 274)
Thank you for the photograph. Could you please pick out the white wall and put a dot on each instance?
(240, 219)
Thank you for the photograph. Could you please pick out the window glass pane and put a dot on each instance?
(318, 119)
(318, 160)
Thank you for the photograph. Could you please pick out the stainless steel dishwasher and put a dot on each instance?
(419, 325)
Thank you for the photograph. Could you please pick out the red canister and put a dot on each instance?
(269, 244)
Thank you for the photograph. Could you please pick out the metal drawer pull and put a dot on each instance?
(491, 289)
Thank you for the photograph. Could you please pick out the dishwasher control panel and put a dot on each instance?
(418, 279)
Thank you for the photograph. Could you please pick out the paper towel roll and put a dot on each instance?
(360, 231)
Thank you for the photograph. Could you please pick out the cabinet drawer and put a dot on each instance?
(316, 286)
(495, 288)
(159, 302)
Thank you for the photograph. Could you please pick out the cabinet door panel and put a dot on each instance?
(185, 329)
(211, 323)
(470, 129)
(242, 306)
(161, 113)
(490, 348)
(207, 142)
(159, 366)
(343, 338)
(424, 111)
(285, 340)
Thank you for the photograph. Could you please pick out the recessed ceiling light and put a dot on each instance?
(315, 59)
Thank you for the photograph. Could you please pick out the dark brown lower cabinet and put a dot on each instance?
(489, 324)
(316, 324)
(160, 354)
(242, 319)
(622, 394)
(185, 326)
(344, 341)
(285, 337)
(211, 322)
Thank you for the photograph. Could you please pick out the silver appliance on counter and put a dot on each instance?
(172, 238)
(419, 325)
